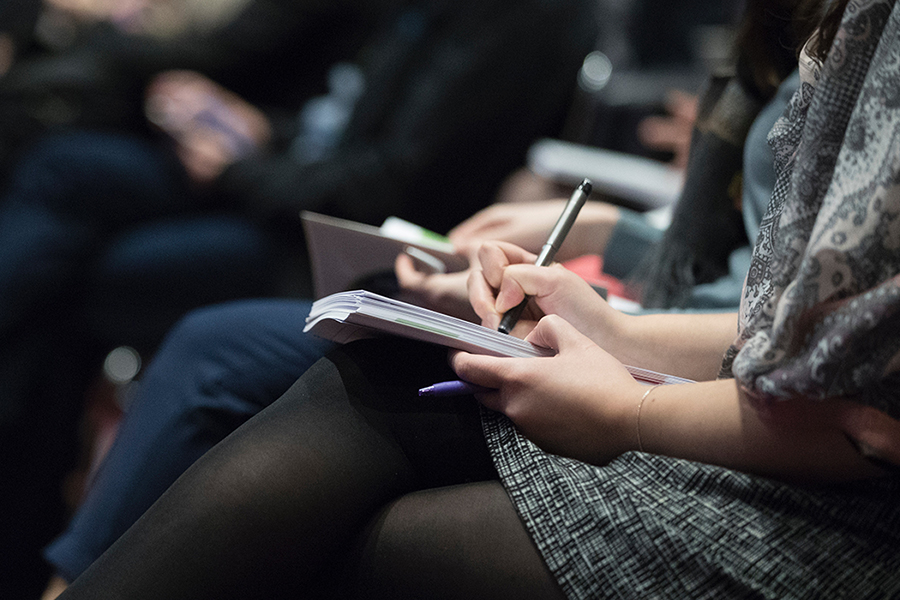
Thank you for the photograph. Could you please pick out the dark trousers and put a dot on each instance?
(216, 369)
(101, 244)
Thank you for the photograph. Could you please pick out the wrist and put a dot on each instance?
(592, 231)
(645, 396)
(621, 426)
(610, 329)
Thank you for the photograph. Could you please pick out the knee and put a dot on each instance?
(90, 172)
(236, 356)
(462, 541)
(200, 331)
(236, 326)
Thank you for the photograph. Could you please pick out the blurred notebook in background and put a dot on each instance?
(347, 255)
(344, 253)
(645, 183)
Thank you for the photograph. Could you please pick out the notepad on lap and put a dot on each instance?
(348, 316)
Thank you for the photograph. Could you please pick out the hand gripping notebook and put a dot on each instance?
(348, 316)
(343, 254)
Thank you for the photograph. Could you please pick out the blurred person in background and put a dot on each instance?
(222, 365)
(445, 99)
(776, 478)
(100, 242)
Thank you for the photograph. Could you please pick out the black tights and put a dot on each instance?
(350, 485)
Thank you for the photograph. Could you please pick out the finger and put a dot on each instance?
(468, 248)
(495, 229)
(164, 81)
(556, 333)
(682, 105)
(519, 281)
(511, 293)
(659, 132)
(494, 257)
(486, 371)
(407, 275)
(472, 224)
(493, 261)
(481, 297)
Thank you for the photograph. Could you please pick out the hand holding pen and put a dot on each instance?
(548, 252)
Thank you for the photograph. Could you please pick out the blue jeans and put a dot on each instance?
(216, 369)
(100, 223)
(101, 243)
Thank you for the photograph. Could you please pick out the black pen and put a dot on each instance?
(557, 235)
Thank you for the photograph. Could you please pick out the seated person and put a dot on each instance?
(428, 138)
(222, 365)
(773, 475)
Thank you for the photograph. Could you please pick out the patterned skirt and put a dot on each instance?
(647, 526)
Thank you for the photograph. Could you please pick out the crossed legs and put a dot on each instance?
(315, 494)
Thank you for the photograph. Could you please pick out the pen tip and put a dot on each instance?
(587, 186)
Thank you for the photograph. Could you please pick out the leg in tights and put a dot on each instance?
(217, 368)
(462, 541)
(285, 498)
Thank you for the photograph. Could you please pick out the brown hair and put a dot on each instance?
(769, 39)
(822, 38)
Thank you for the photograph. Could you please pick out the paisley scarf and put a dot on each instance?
(820, 315)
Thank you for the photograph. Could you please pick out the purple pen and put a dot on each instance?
(453, 388)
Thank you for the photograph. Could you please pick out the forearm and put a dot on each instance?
(711, 422)
(591, 232)
(354, 186)
(686, 345)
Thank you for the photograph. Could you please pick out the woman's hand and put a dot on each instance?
(524, 224)
(672, 132)
(580, 403)
(212, 127)
(584, 404)
(443, 292)
(527, 224)
(508, 274)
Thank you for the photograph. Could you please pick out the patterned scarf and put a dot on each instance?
(820, 315)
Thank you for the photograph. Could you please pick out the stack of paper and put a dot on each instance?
(348, 316)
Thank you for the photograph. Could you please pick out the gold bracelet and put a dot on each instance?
(640, 405)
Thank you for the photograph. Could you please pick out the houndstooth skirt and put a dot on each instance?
(647, 526)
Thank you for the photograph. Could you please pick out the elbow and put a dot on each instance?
(875, 435)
